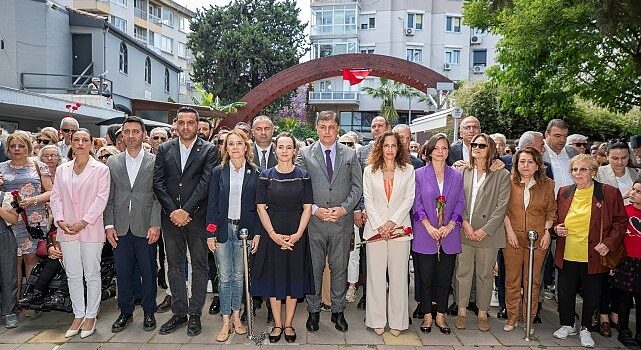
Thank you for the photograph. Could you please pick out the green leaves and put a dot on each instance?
(387, 92)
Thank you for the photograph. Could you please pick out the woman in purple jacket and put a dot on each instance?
(438, 205)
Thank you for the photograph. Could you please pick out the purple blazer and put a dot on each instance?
(425, 207)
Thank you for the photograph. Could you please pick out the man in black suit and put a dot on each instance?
(181, 175)
(263, 130)
(460, 150)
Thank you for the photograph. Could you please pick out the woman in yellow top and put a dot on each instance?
(591, 222)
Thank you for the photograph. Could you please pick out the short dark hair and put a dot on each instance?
(205, 120)
(431, 144)
(134, 119)
(559, 123)
(328, 115)
(187, 109)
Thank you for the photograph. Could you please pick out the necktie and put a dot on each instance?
(263, 160)
(328, 163)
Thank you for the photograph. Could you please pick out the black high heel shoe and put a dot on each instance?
(290, 338)
(275, 338)
(444, 329)
(425, 329)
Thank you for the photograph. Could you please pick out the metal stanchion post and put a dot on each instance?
(531, 237)
(244, 233)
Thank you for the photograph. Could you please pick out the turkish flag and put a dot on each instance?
(355, 76)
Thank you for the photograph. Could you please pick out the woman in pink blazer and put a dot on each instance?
(78, 200)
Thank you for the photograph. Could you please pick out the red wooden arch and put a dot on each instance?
(406, 72)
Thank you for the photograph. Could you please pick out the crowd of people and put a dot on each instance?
(324, 217)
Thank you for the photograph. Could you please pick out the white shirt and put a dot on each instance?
(235, 190)
(260, 153)
(466, 152)
(133, 165)
(64, 148)
(560, 168)
(624, 183)
(440, 186)
(184, 152)
(476, 185)
(526, 192)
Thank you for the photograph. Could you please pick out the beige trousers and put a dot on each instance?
(481, 261)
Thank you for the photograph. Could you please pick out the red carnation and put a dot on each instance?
(211, 228)
(78, 104)
(68, 106)
(15, 193)
(407, 230)
(75, 108)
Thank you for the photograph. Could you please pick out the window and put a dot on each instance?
(183, 24)
(453, 24)
(182, 50)
(140, 33)
(330, 47)
(453, 56)
(124, 59)
(119, 23)
(338, 19)
(415, 20)
(368, 23)
(479, 57)
(154, 14)
(166, 44)
(326, 85)
(167, 17)
(148, 70)
(415, 55)
(166, 79)
(120, 2)
(181, 77)
(367, 50)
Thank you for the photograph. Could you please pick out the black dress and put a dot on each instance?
(276, 272)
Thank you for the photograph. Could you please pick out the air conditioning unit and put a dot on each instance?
(479, 69)
(446, 66)
(475, 40)
(409, 31)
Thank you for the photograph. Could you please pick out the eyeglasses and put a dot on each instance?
(44, 141)
(471, 127)
(156, 138)
(478, 145)
(580, 144)
(349, 144)
(580, 170)
(68, 130)
(104, 156)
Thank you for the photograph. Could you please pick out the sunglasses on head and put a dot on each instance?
(44, 141)
(104, 156)
(478, 145)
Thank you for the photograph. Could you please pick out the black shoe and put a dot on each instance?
(312, 321)
(472, 307)
(121, 323)
(417, 312)
(149, 322)
(214, 308)
(270, 316)
(275, 338)
(625, 337)
(258, 302)
(174, 322)
(338, 319)
(162, 282)
(453, 309)
(193, 326)
(34, 298)
(361, 303)
(290, 338)
(445, 329)
(425, 329)
(502, 314)
(165, 305)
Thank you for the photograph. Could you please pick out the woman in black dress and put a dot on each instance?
(282, 267)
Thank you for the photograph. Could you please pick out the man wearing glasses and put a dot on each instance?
(470, 127)
(157, 136)
(68, 125)
(578, 142)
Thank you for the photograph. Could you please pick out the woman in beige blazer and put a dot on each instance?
(487, 194)
(388, 190)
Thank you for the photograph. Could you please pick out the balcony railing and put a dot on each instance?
(333, 96)
(155, 19)
(140, 37)
(140, 13)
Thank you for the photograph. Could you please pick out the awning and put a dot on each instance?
(432, 121)
(150, 124)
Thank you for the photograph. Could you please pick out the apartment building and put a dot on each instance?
(428, 32)
(160, 25)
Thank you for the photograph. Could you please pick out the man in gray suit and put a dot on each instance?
(337, 183)
(132, 224)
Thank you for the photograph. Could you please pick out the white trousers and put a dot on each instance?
(82, 260)
(387, 258)
(354, 259)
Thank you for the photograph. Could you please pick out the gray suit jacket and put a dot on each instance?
(145, 208)
(344, 190)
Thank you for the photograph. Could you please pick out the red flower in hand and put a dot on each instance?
(211, 228)
(407, 230)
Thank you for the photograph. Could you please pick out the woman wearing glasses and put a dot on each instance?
(78, 200)
(105, 152)
(487, 194)
(32, 180)
(591, 221)
(47, 136)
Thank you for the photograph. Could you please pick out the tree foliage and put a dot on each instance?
(238, 46)
(554, 50)
(387, 92)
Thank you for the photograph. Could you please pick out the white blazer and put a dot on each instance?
(379, 210)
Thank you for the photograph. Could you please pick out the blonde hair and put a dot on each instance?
(249, 151)
(109, 149)
(20, 136)
(53, 136)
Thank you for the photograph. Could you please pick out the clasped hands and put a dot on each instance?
(386, 230)
(74, 228)
(330, 214)
(180, 217)
(286, 242)
(471, 234)
(441, 232)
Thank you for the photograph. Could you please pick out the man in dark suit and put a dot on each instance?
(263, 130)
(404, 131)
(132, 224)
(532, 139)
(460, 150)
(181, 176)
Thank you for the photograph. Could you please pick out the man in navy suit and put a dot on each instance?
(460, 150)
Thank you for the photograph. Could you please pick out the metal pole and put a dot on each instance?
(531, 236)
(244, 233)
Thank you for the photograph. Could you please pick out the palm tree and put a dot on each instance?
(388, 91)
(213, 102)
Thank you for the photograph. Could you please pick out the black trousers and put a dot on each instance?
(435, 276)
(572, 277)
(135, 252)
(49, 271)
(624, 306)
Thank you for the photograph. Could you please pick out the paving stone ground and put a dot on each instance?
(46, 332)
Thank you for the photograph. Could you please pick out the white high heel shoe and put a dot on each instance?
(72, 332)
(85, 334)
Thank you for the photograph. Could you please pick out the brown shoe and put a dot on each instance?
(605, 329)
(484, 325)
(224, 333)
(460, 322)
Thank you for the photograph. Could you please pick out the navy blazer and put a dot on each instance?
(218, 202)
(456, 152)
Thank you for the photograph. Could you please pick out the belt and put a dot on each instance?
(235, 222)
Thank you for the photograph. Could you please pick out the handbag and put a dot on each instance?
(614, 257)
